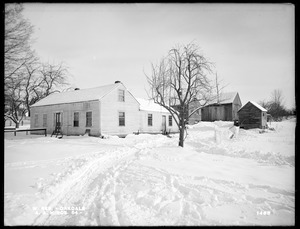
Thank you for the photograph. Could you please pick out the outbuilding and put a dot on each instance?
(252, 115)
(223, 108)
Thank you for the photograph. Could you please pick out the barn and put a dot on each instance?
(225, 108)
(252, 115)
(104, 110)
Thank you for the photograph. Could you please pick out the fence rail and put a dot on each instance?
(27, 130)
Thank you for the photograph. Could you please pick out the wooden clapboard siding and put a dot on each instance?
(264, 119)
(105, 107)
(156, 122)
(252, 117)
(109, 113)
(216, 112)
(67, 111)
(223, 111)
(204, 114)
(227, 116)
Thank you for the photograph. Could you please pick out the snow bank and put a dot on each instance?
(147, 180)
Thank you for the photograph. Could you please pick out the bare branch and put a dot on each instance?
(179, 79)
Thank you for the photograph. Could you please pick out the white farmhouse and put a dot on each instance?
(105, 110)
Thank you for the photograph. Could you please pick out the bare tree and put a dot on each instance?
(31, 85)
(17, 38)
(178, 80)
(26, 79)
(218, 89)
(277, 97)
(17, 53)
(42, 80)
(14, 103)
(265, 104)
(31, 82)
(54, 78)
(275, 106)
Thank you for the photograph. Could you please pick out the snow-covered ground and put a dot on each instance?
(148, 180)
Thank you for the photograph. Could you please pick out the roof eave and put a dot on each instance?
(64, 103)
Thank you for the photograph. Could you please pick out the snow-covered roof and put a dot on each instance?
(258, 106)
(149, 105)
(255, 104)
(224, 98)
(77, 95)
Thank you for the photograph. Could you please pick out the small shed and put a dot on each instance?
(252, 115)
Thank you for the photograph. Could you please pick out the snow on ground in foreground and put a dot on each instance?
(148, 180)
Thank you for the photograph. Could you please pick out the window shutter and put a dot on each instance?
(53, 119)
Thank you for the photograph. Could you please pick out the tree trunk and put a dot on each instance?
(28, 108)
(17, 124)
(181, 137)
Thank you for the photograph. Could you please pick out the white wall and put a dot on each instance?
(156, 122)
(68, 110)
(105, 116)
(263, 119)
(109, 113)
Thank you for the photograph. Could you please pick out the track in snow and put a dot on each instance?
(115, 187)
(117, 192)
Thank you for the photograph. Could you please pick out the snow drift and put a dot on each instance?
(147, 180)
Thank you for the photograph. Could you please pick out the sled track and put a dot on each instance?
(83, 186)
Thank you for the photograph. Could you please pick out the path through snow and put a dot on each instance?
(147, 180)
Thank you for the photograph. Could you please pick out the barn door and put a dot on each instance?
(228, 114)
(214, 114)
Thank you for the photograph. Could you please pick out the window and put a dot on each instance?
(170, 120)
(149, 119)
(89, 118)
(44, 120)
(121, 95)
(36, 120)
(121, 118)
(76, 119)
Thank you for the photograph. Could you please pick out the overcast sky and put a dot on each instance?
(252, 45)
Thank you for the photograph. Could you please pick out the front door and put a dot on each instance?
(164, 124)
(58, 120)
